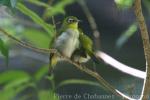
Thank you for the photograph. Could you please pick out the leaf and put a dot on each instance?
(8, 94)
(58, 8)
(47, 95)
(13, 83)
(78, 81)
(4, 50)
(50, 78)
(24, 86)
(9, 3)
(40, 73)
(47, 27)
(126, 35)
(12, 75)
(37, 37)
(5, 2)
(16, 82)
(39, 3)
(124, 4)
(13, 3)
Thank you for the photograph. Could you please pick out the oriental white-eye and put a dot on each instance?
(72, 43)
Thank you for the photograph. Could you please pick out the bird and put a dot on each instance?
(72, 43)
(67, 40)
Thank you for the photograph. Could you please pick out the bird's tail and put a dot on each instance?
(94, 58)
(52, 63)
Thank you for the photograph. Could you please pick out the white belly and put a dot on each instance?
(67, 42)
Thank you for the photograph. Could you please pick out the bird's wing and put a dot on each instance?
(87, 44)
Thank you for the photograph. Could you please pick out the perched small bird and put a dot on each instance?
(71, 42)
(67, 40)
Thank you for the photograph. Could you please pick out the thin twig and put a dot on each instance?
(146, 45)
(24, 44)
(92, 22)
(44, 13)
(55, 28)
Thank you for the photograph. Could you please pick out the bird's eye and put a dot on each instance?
(70, 20)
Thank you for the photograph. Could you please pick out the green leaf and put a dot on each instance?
(24, 86)
(124, 4)
(78, 81)
(50, 78)
(4, 50)
(47, 95)
(47, 27)
(12, 75)
(5, 2)
(39, 3)
(40, 73)
(9, 3)
(126, 35)
(13, 3)
(8, 94)
(11, 92)
(16, 82)
(37, 37)
(13, 83)
(58, 8)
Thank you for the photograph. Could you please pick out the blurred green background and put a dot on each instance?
(26, 75)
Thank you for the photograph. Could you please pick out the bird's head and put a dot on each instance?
(71, 22)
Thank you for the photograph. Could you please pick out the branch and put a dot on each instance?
(95, 75)
(44, 14)
(146, 46)
(99, 78)
(92, 22)
(26, 45)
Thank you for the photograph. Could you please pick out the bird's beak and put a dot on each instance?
(79, 21)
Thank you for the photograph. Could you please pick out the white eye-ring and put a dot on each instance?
(70, 20)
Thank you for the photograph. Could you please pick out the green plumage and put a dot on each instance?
(86, 48)
(86, 42)
(71, 42)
